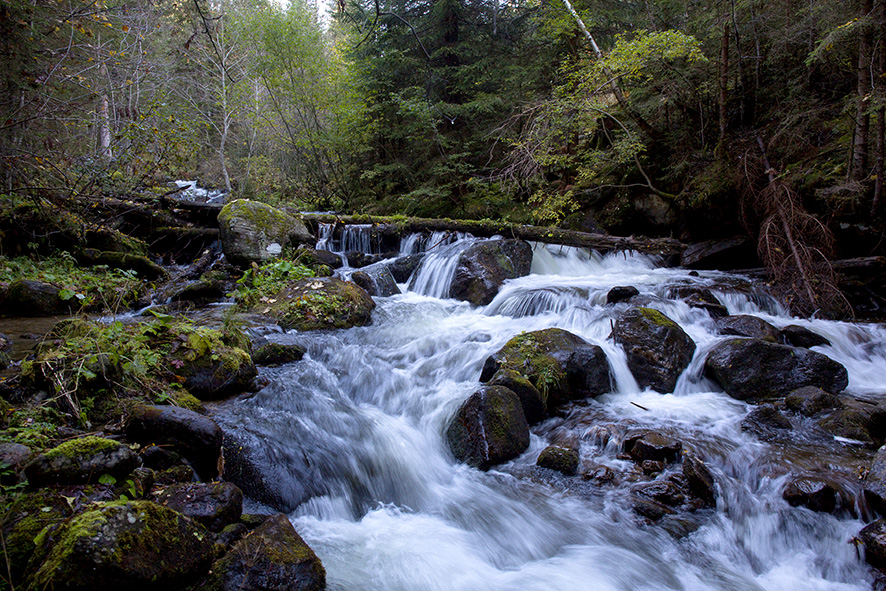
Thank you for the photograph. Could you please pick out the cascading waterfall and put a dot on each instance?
(352, 440)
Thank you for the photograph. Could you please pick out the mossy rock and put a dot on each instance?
(483, 268)
(561, 459)
(26, 297)
(657, 349)
(253, 232)
(81, 461)
(488, 429)
(26, 518)
(136, 545)
(560, 365)
(272, 557)
(209, 367)
(320, 303)
(269, 353)
(144, 267)
(214, 505)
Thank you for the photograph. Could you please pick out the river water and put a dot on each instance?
(352, 440)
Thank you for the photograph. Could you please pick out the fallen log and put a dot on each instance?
(486, 228)
(861, 265)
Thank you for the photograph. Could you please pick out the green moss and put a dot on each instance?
(82, 447)
(657, 318)
(526, 355)
(186, 400)
(24, 521)
(258, 214)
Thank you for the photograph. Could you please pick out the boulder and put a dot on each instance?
(325, 257)
(25, 518)
(621, 293)
(252, 232)
(483, 268)
(210, 368)
(271, 353)
(743, 325)
(810, 401)
(273, 557)
(753, 369)
(403, 268)
(200, 291)
(663, 491)
(766, 422)
(875, 483)
(378, 278)
(488, 429)
(857, 420)
(136, 545)
(196, 437)
(215, 505)
(873, 537)
(321, 303)
(699, 480)
(799, 336)
(650, 445)
(811, 492)
(82, 461)
(35, 298)
(657, 349)
(649, 508)
(560, 365)
(14, 457)
(561, 459)
(703, 299)
(531, 399)
(144, 267)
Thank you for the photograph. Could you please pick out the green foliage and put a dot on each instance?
(260, 284)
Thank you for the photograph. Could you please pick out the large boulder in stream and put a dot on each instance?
(754, 369)
(657, 349)
(558, 364)
(377, 280)
(136, 545)
(320, 303)
(484, 267)
(488, 429)
(252, 232)
(25, 297)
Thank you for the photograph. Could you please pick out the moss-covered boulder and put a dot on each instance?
(560, 365)
(140, 264)
(210, 366)
(320, 303)
(26, 297)
(754, 369)
(273, 557)
(215, 505)
(23, 520)
(561, 459)
(137, 545)
(253, 232)
(532, 401)
(81, 461)
(196, 437)
(484, 267)
(657, 349)
(810, 401)
(488, 429)
(272, 353)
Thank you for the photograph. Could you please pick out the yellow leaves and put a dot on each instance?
(124, 28)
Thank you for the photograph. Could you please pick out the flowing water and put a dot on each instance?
(351, 439)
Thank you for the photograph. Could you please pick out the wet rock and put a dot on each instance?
(142, 482)
(321, 303)
(531, 399)
(13, 456)
(196, 437)
(212, 369)
(599, 475)
(621, 293)
(699, 480)
(813, 493)
(137, 545)
(663, 491)
(214, 505)
(799, 336)
(81, 461)
(752, 369)
(765, 422)
(273, 557)
(484, 267)
(178, 474)
(35, 298)
(25, 518)
(650, 445)
(488, 429)
(856, 420)
(200, 291)
(652, 467)
(658, 350)
(703, 299)
(144, 267)
(253, 232)
(875, 483)
(561, 459)
(403, 268)
(873, 536)
(649, 508)
(680, 526)
(560, 365)
(810, 401)
(231, 534)
(324, 257)
(159, 458)
(377, 280)
(277, 353)
(743, 325)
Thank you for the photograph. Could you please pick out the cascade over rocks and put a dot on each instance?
(273, 557)
(560, 365)
(483, 268)
(811, 492)
(252, 232)
(320, 303)
(136, 545)
(657, 349)
(488, 429)
(403, 267)
(377, 280)
(81, 461)
(753, 369)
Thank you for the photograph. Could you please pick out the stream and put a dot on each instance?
(352, 440)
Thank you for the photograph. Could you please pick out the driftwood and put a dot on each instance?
(483, 229)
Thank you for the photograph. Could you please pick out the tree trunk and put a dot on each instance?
(104, 129)
(881, 114)
(858, 169)
(724, 85)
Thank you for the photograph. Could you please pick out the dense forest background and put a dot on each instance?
(696, 119)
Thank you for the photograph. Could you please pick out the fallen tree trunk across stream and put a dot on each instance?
(484, 229)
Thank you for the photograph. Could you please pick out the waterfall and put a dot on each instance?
(351, 441)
